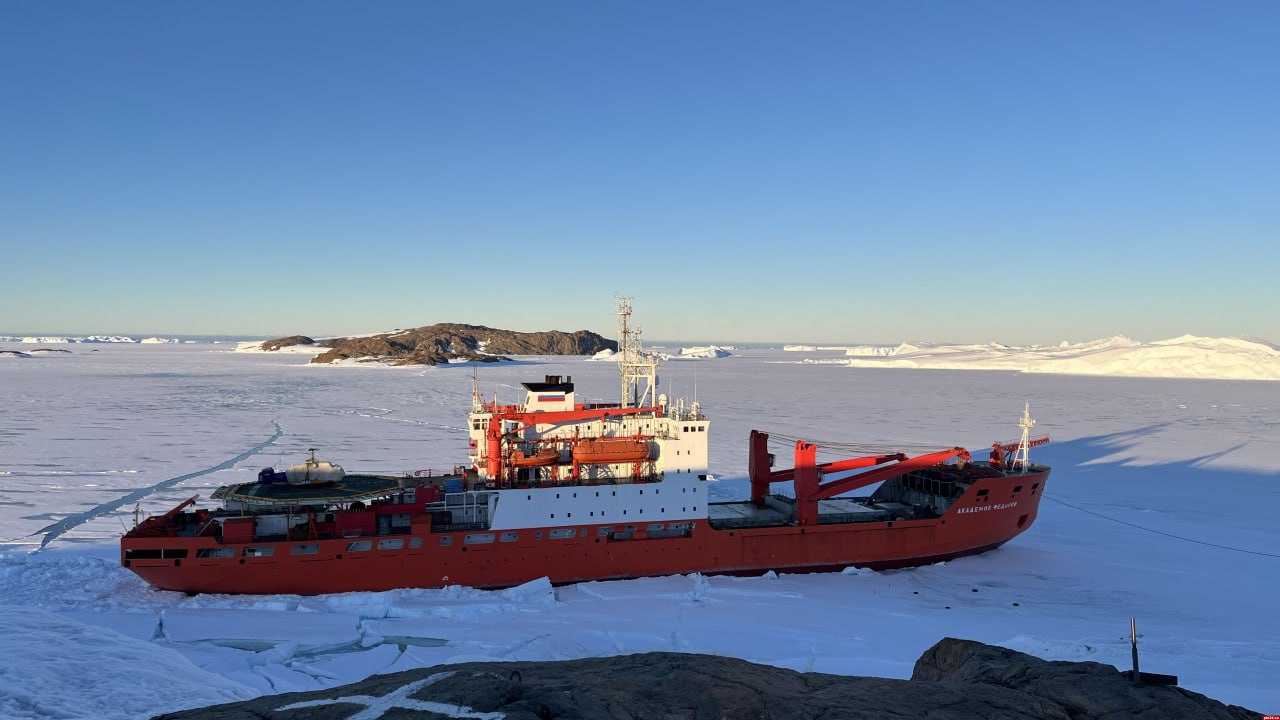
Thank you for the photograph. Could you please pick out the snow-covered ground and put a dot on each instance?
(1164, 505)
(701, 352)
(255, 346)
(1182, 357)
(696, 352)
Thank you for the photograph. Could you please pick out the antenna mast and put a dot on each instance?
(636, 364)
(477, 403)
(1022, 458)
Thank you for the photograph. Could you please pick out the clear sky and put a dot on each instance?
(753, 171)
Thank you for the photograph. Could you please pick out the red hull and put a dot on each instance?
(509, 558)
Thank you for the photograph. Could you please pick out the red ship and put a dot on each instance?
(573, 492)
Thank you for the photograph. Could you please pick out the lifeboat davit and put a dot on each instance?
(542, 458)
(604, 451)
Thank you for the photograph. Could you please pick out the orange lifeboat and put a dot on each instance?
(541, 458)
(604, 451)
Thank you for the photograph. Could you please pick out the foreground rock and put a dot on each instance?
(953, 680)
(449, 342)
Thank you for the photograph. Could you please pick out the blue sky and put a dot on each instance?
(752, 171)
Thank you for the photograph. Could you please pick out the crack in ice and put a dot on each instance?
(52, 532)
(375, 706)
(386, 415)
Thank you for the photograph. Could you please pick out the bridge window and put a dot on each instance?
(143, 554)
(208, 552)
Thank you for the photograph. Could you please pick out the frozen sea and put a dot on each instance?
(1164, 505)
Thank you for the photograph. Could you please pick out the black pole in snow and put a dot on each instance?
(1133, 639)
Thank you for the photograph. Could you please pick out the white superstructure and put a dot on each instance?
(554, 461)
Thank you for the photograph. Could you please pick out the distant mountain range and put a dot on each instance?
(1188, 356)
(136, 338)
(64, 339)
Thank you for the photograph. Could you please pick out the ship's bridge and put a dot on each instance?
(551, 439)
(550, 395)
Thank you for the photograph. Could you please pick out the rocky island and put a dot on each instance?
(448, 342)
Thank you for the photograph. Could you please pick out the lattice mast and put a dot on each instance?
(1022, 458)
(636, 364)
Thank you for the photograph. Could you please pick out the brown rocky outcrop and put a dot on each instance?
(287, 342)
(954, 680)
(445, 342)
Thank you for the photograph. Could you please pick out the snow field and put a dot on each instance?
(1161, 507)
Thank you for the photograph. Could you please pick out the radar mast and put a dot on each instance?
(636, 364)
(1023, 457)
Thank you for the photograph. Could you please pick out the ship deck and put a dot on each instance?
(779, 511)
(352, 487)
